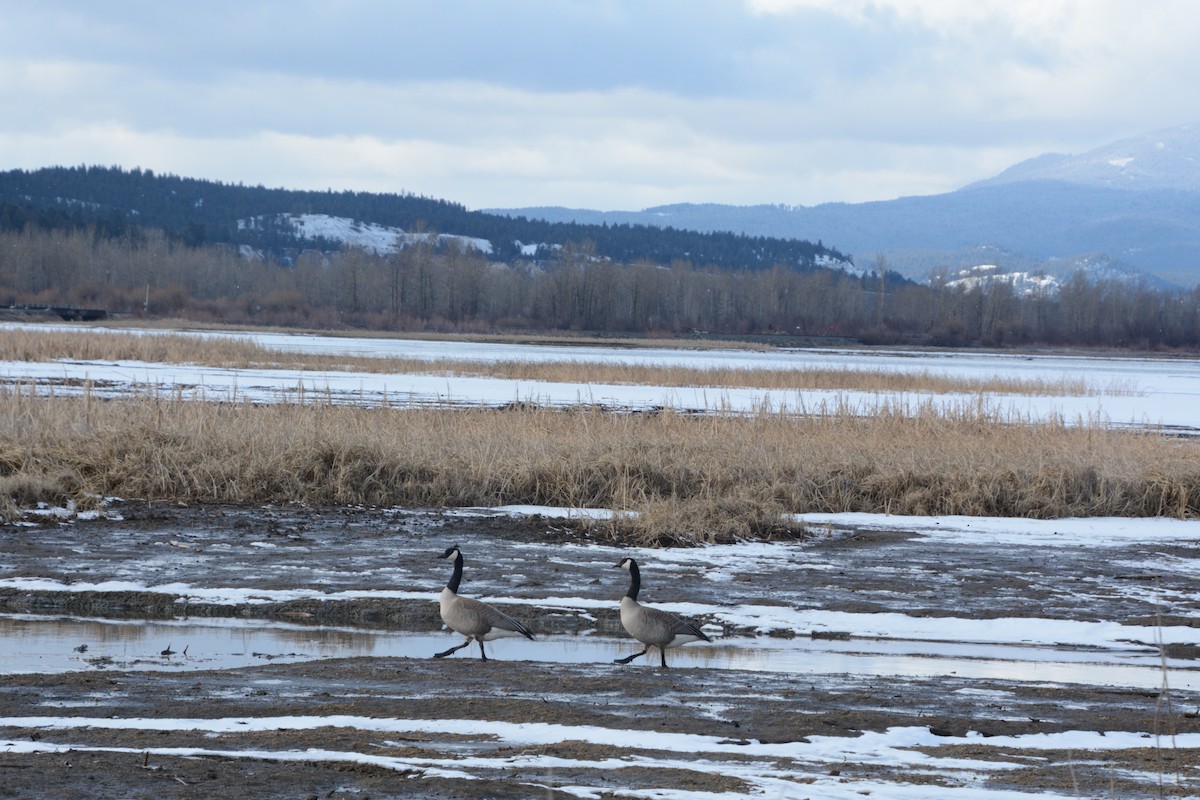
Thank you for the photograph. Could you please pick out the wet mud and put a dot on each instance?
(461, 727)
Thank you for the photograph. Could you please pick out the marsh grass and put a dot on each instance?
(668, 477)
(27, 344)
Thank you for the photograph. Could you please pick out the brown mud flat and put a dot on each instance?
(612, 722)
(736, 707)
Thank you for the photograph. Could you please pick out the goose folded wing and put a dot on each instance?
(676, 626)
(490, 619)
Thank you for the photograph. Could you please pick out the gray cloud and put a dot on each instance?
(613, 104)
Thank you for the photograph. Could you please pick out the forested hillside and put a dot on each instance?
(206, 212)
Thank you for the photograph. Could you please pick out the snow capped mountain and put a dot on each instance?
(1165, 159)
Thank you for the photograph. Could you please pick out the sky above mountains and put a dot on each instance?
(607, 104)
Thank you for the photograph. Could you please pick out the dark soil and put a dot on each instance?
(345, 548)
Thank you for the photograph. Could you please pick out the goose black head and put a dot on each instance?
(635, 577)
(451, 552)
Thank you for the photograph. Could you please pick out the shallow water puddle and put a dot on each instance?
(30, 643)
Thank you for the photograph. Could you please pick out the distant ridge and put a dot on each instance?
(1164, 159)
(1134, 202)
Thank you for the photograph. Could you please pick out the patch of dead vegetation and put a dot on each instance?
(667, 478)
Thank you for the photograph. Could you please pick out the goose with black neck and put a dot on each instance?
(475, 620)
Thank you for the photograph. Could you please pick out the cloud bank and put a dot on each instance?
(612, 105)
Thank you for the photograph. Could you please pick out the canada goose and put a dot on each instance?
(477, 621)
(652, 626)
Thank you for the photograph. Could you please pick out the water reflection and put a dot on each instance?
(42, 644)
(30, 643)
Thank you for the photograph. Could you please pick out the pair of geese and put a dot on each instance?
(481, 623)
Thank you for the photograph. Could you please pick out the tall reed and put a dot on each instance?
(667, 476)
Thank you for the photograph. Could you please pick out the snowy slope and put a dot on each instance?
(1164, 159)
(379, 239)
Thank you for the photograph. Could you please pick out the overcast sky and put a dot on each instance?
(606, 104)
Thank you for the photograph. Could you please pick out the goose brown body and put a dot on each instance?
(475, 620)
(652, 627)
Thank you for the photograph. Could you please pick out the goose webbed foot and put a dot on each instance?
(627, 659)
(445, 653)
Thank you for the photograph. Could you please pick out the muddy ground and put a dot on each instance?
(349, 550)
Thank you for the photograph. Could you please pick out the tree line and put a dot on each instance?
(425, 288)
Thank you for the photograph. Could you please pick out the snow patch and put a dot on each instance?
(379, 239)
(1027, 283)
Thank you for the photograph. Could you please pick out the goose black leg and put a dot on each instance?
(482, 654)
(445, 653)
(627, 659)
(663, 651)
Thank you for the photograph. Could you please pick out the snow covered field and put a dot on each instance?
(1150, 392)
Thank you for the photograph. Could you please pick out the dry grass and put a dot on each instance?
(566, 338)
(232, 351)
(670, 477)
